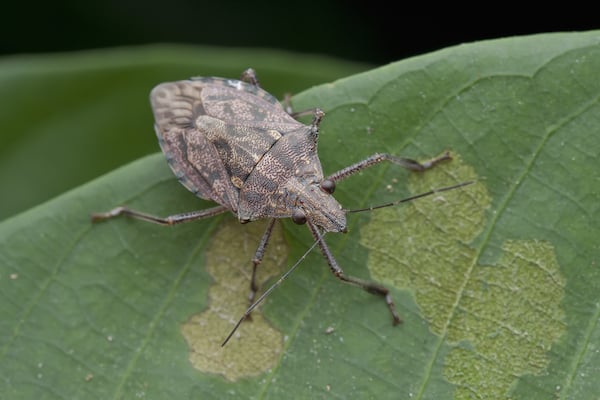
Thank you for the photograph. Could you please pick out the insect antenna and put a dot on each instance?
(407, 199)
(273, 286)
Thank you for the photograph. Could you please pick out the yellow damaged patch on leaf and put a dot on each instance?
(499, 320)
(510, 313)
(256, 346)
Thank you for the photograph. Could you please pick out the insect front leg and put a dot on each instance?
(379, 157)
(170, 220)
(258, 257)
(371, 287)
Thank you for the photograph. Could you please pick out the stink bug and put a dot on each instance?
(231, 142)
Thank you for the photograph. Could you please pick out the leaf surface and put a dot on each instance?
(497, 282)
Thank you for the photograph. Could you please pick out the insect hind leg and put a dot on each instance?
(249, 76)
(170, 220)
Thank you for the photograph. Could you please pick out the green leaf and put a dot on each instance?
(66, 119)
(497, 282)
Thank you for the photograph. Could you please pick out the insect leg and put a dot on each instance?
(170, 220)
(287, 105)
(379, 157)
(298, 114)
(371, 287)
(258, 256)
(249, 76)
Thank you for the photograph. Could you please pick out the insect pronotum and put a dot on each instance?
(231, 142)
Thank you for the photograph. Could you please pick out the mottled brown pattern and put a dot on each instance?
(232, 142)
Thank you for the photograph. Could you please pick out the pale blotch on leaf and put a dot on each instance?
(256, 346)
(500, 320)
(510, 313)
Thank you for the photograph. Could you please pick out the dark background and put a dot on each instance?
(367, 31)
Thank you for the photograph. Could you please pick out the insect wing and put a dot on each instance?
(239, 103)
(192, 157)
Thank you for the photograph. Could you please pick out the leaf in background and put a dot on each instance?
(497, 282)
(66, 119)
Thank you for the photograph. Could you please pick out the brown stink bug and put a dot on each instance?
(231, 142)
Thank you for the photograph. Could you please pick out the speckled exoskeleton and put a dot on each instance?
(231, 142)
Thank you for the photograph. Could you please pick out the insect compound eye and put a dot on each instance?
(328, 186)
(298, 216)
